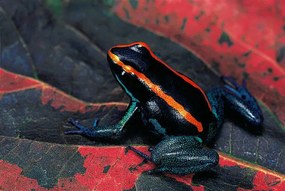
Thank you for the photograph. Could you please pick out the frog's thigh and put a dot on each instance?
(183, 155)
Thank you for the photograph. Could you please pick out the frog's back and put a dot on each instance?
(177, 102)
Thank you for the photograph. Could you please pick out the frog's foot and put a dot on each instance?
(110, 131)
(141, 154)
(237, 89)
(180, 155)
(81, 130)
(241, 92)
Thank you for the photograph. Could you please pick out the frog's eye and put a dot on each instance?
(136, 49)
(140, 47)
(143, 44)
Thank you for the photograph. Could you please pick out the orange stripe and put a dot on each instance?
(157, 90)
(175, 72)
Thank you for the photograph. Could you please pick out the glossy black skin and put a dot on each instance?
(151, 105)
(181, 150)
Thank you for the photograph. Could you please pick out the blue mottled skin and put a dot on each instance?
(182, 147)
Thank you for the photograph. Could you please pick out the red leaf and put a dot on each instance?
(109, 168)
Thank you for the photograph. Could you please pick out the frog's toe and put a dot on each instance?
(68, 132)
(72, 121)
(82, 130)
(231, 84)
(96, 122)
(75, 123)
(237, 89)
(141, 154)
(230, 81)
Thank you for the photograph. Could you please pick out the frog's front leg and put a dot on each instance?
(180, 155)
(109, 131)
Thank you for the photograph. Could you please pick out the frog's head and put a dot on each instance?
(129, 64)
(130, 59)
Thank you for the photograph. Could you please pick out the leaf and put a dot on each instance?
(28, 165)
(34, 110)
(27, 160)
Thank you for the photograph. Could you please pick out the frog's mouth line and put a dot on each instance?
(158, 91)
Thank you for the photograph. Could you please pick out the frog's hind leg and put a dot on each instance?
(235, 98)
(181, 155)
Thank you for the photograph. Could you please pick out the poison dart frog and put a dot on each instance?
(175, 107)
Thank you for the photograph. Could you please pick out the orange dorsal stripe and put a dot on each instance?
(157, 90)
(191, 82)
